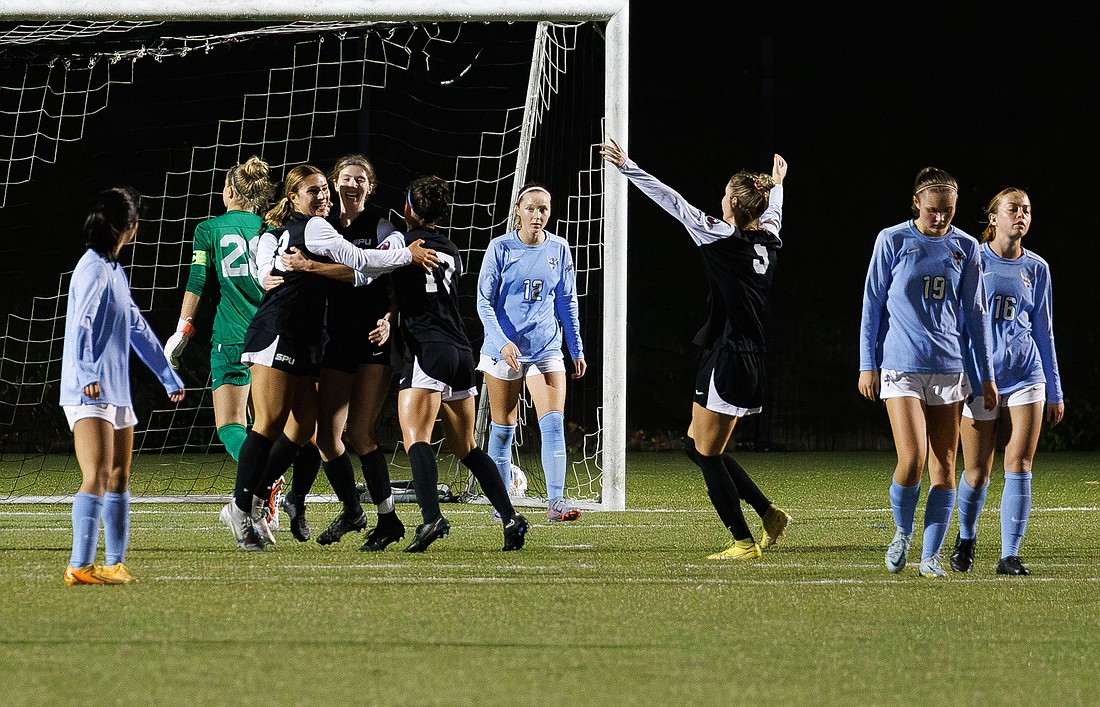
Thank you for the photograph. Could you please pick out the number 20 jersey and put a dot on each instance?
(226, 245)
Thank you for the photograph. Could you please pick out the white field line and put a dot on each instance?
(698, 582)
(177, 511)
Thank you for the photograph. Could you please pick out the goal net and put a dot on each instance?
(168, 107)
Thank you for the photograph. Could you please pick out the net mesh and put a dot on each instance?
(168, 107)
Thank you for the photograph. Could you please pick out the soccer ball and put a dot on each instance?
(518, 487)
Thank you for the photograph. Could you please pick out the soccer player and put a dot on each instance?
(284, 340)
(355, 368)
(1017, 284)
(526, 297)
(923, 293)
(439, 374)
(739, 252)
(102, 325)
(227, 245)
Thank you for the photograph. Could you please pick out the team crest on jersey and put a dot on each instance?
(1026, 278)
(384, 245)
(958, 255)
(552, 260)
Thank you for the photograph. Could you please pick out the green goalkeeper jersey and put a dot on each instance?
(227, 246)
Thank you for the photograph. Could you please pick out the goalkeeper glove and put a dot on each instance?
(178, 342)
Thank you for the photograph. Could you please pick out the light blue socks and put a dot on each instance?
(500, 450)
(552, 426)
(937, 514)
(87, 511)
(971, 502)
(903, 502)
(1015, 509)
(116, 526)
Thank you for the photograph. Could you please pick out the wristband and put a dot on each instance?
(185, 327)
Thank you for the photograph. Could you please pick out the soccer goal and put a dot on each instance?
(167, 96)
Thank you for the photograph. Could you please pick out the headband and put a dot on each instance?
(937, 184)
(532, 188)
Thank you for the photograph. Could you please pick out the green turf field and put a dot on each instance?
(616, 609)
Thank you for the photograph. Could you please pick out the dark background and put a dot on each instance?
(857, 100)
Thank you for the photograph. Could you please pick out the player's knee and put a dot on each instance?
(552, 424)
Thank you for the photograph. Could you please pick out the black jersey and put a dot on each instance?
(295, 308)
(356, 309)
(740, 270)
(428, 301)
(739, 264)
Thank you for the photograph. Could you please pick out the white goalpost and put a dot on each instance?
(486, 93)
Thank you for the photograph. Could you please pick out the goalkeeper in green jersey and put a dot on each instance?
(226, 246)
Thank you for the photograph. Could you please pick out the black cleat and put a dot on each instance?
(299, 527)
(427, 533)
(1011, 565)
(390, 529)
(514, 532)
(962, 557)
(341, 527)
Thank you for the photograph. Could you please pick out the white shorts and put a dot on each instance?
(499, 368)
(420, 379)
(119, 417)
(975, 407)
(932, 388)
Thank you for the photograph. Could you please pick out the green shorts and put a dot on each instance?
(226, 367)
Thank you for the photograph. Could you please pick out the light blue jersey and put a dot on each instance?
(102, 324)
(527, 294)
(922, 295)
(1018, 296)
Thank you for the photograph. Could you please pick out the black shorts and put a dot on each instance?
(281, 352)
(730, 382)
(439, 367)
(345, 353)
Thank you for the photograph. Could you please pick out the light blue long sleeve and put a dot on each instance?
(102, 324)
(922, 298)
(1020, 312)
(527, 294)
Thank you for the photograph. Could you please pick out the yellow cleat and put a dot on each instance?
(775, 522)
(119, 572)
(88, 574)
(738, 550)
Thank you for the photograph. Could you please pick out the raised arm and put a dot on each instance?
(702, 228)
